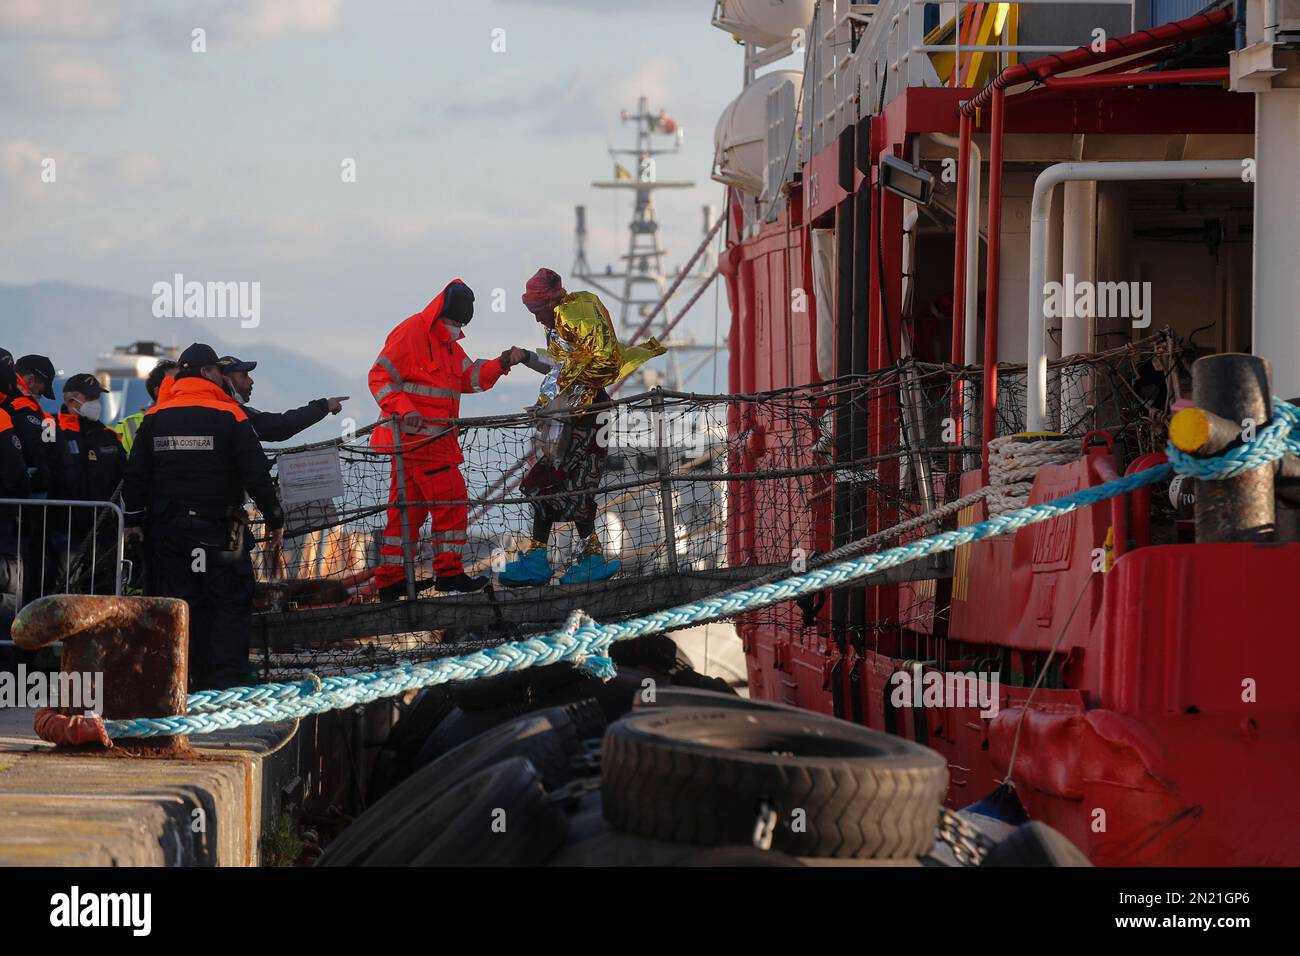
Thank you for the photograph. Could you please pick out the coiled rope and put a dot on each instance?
(1014, 460)
(585, 643)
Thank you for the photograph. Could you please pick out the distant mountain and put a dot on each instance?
(74, 324)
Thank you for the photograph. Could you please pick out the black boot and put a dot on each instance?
(397, 590)
(461, 584)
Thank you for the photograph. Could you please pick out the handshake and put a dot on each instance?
(514, 356)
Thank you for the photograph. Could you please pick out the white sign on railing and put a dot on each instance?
(310, 475)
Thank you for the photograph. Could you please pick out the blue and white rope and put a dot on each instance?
(585, 643)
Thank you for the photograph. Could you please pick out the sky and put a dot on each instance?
(228, 164)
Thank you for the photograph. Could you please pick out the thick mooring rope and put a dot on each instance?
(585, 643)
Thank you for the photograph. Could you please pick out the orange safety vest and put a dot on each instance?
(423, 369)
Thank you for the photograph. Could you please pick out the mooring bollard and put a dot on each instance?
(1232, 394)
(139, 644)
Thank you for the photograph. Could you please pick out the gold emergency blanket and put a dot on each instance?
(588, 352)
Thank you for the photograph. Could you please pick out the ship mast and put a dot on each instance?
(644, 280)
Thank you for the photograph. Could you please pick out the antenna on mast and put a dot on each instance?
(644, 277)
(580, 267)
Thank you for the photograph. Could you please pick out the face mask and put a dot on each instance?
(454, 329)
(91, 410)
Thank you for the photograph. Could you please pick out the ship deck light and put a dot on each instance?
(902, 178)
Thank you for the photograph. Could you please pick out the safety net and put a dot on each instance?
(693, 495)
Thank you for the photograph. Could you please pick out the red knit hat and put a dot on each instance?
(541, 288)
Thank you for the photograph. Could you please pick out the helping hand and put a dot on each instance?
(513, 356)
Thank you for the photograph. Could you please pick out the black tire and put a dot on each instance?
(428, 710)
(395, 759)
(501, 816)
(549, 748)
(593, 842)
(579, 719)
(1035, 844)
(700, 776)
(587, 717)
(514, 688)
(459, 728)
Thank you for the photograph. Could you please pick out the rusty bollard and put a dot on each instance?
(139, 644)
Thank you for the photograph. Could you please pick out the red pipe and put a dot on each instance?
(1141, 505)
(991, 278)
(1118, 511)
(1142, 498)
(959, 272)
(1136, 79)
(1140, 42)
(959, 287)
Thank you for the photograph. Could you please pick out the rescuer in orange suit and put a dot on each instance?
(419, 377)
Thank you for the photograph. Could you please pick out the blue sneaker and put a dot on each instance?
(532, 569)
(590, 567)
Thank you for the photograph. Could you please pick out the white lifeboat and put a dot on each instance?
(740, 140)
(763, 22)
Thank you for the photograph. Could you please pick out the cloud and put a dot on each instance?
(251, 22)
(60, 19)
(54, 78)
(585, 101)
(78, 178)
(138, 169)
(20, 165)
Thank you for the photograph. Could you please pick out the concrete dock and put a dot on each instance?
(110, 809)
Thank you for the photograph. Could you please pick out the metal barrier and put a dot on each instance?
(57, 554)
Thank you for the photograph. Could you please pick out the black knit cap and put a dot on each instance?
(458, 303)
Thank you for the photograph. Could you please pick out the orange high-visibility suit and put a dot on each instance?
(423, 369)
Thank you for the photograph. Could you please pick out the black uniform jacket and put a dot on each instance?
(29, 421)
(14, 482)
(89, 461)
(196, 452)
(281, 426)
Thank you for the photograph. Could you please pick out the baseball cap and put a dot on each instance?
(42, 366)
(198, 356)
(228, 364)
(84, 383)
